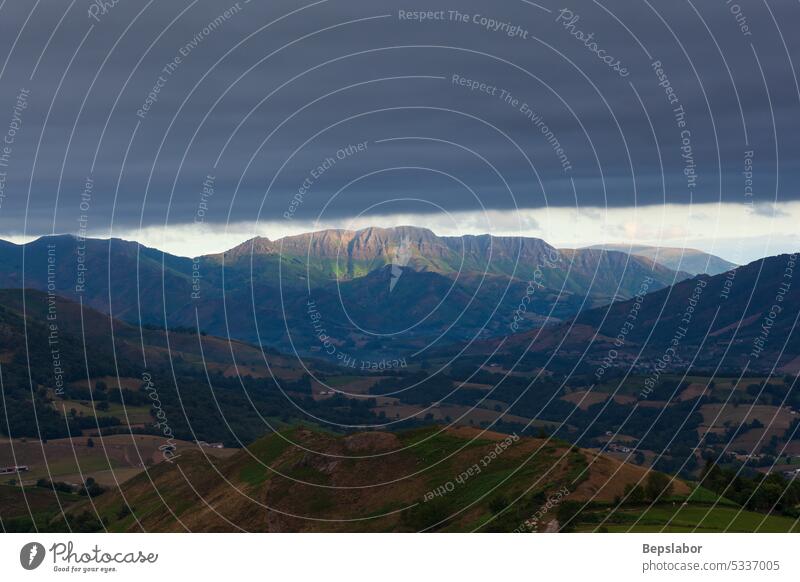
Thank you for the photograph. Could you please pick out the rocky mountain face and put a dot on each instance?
(350, 254)
(354, 251)
(375, 289)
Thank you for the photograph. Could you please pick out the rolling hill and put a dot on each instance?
(690, 261)
(421, 480)
(70, 370)
(746, 317)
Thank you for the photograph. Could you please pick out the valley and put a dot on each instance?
(398, 375)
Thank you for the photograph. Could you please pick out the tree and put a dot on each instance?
(634, 493)
(658, 486)
(498, 504)
(91, 488)
(568, 514)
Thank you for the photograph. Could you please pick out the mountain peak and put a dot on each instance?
(258, 245)
(689, 260)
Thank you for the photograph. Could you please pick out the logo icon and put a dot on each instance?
(31, 555)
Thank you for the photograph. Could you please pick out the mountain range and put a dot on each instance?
(114, 342)
(373, 290)
(745, 319)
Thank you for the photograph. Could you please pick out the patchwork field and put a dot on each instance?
(110, 460)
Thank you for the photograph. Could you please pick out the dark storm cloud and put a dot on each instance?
(269, 110)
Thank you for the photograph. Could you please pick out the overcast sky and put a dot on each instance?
(253, 98)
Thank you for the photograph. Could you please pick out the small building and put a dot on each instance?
(14, 469)
(210, 445)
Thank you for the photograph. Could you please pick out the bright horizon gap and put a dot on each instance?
(733, 232)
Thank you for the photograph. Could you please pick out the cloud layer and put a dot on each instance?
(189, 113)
